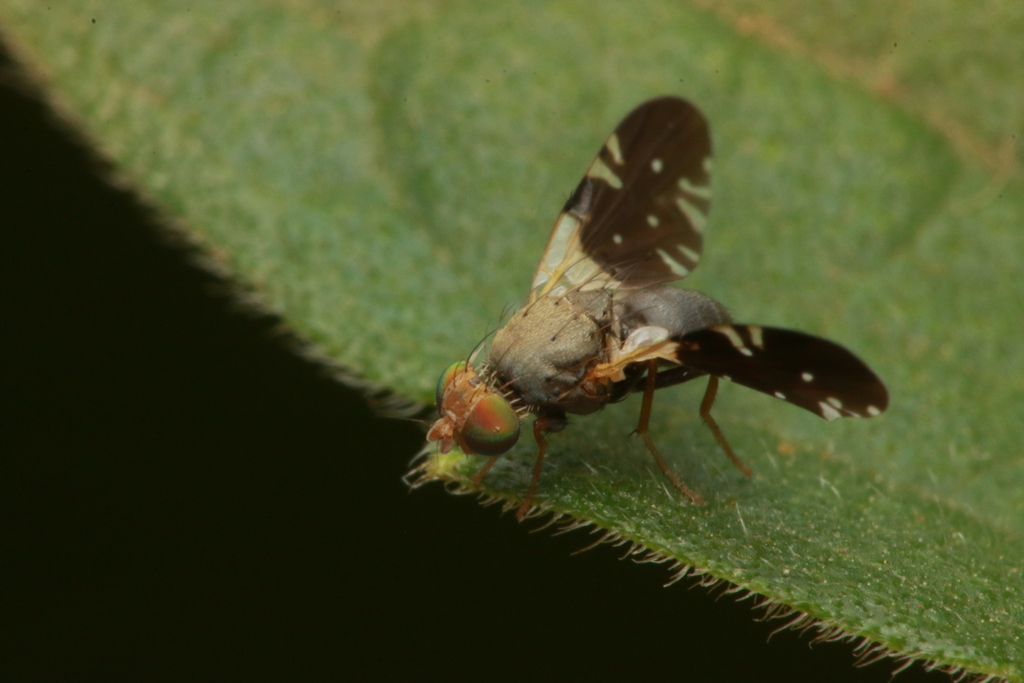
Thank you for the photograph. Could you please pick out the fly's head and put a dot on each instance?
(475, 415)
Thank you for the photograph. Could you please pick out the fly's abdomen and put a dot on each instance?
(677, 310)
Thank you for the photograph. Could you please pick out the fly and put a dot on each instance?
(602, 321)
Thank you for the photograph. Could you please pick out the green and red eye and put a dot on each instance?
(492, 427)
(446, 378)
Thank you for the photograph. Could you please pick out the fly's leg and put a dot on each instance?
(705, 414)
(642, 430)
(542, 447)
(482, 472)
(540, 425)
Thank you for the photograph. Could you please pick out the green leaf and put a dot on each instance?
(385, 177)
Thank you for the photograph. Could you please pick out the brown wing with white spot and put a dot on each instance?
(804, 370)
(638, 215)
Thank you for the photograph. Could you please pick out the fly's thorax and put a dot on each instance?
(677, 310)
(545, 349)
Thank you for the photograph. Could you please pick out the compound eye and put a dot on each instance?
(446, 378)
(492, 427)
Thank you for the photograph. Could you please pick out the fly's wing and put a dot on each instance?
(807, 371)
(638, 215)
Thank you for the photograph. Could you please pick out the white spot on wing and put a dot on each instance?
(656, 165)
(807, 377)
(779, 394)
(613, 147)
(652, 220)
(756, 335)
(617, 239)
(734, 338)
(696, 217)
(873, 411)
(689, 253)
(673, 265)
(702, 191)
(827, 411)
(835, 402)
(599, 171)
(707, 165)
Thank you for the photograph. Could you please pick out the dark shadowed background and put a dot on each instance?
(185, 497)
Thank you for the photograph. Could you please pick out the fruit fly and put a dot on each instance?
(602, 322)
